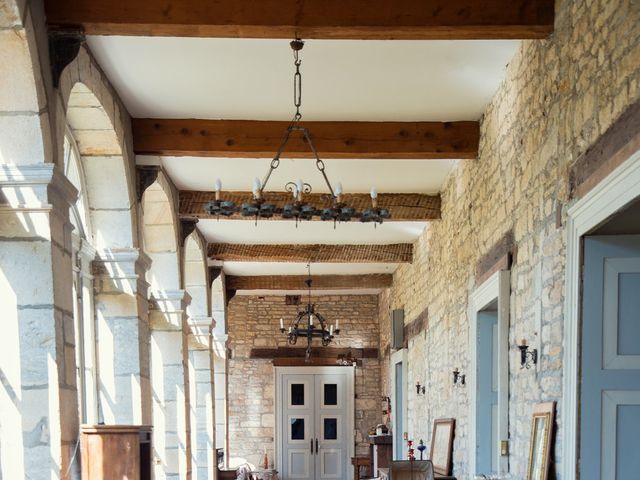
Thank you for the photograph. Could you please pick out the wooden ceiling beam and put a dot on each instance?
(261, 139)
(409, 207)
(395, 253)
(331, 19)
(320, 282)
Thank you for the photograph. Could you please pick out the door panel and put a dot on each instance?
(299, 426)
(331, 426)
(487, 393)
(398, 408)
(610, 359)
(315, 443)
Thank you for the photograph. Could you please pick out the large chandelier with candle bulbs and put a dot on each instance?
(310, 324)
(258, 206)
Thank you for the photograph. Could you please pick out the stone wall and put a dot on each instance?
(558, 97)
(254, 322)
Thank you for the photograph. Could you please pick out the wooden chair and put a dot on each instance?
(360, 463)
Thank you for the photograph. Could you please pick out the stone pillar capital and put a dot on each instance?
(201, 327)
(30, 187)
(124, 269)
(168, 309)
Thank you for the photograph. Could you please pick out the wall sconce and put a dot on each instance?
(420, 389)
(528, 356)
(459, 379)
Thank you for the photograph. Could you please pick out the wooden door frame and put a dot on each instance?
(495, 288)
(613, 193)
(318, 370)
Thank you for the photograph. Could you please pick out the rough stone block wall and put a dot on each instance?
(253, 322)
(558, 97)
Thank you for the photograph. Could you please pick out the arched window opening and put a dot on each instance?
(82, 287)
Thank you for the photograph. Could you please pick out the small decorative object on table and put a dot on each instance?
(412, 455)
(421, 448)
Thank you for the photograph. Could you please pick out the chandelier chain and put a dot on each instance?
(258, 206)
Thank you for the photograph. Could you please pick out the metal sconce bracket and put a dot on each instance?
(528, 356)
(420, 389)
(459, 379)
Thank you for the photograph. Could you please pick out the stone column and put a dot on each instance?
(219, 352)
(86, 352)
(38, 398)
(203, 443)
(170, 385)
(122, 332)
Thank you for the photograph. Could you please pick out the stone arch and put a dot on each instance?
(195, 276)
(98, 122)
(160, 235)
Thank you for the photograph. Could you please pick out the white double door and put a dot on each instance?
(316, 427)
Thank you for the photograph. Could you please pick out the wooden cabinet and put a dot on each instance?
(114, 452)
(380, 450)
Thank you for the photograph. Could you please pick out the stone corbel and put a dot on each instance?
(214, 272)
(145, 176)
(64, 46)
(187, 226)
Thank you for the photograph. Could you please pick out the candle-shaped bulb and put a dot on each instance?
(290, 329)
(374, 197)
(299, 188)
(218, 188)
(523, 342)
(281, 324)
(331, 330)
(311, 319)
(337, 324)
(338, 192)
(257, 186)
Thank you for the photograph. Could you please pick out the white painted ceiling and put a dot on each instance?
(251, 79)
(342, 79)
(317, 232)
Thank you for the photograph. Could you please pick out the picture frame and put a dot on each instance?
(542, 427)
(441, 449)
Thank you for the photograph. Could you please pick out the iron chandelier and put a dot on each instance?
(305, 326)
(299, 209)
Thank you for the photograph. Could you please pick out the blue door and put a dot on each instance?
(610, 359)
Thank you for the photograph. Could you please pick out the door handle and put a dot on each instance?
(311, 446)
(316, 446)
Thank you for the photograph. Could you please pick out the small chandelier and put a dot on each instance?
(310, 324)
(298, 209)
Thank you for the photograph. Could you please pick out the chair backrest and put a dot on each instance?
(411, 470)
